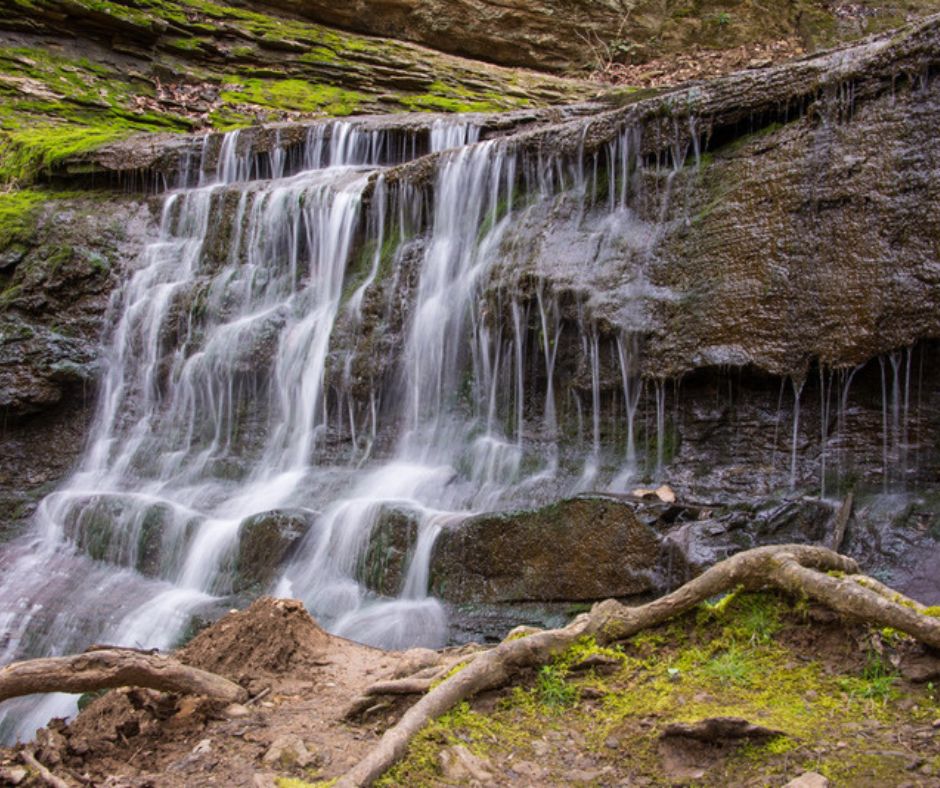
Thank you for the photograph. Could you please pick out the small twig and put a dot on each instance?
(263, 694)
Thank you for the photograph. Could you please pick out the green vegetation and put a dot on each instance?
(292, 94)
(18, 215)
(256, 67)
(737, 657)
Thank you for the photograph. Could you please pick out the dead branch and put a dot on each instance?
(109, 668)
(798, 569)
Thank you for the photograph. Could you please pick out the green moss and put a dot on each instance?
(25, 153)
(724, 659)
(292, 94)
(18, 210)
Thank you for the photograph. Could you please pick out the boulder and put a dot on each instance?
(126, 530)
(266, 541)
(580, 549)
(384, 563)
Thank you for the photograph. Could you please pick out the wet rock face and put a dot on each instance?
(579, 549)
(266, 542)
(55, 287)
(385, 561)
(810, 240)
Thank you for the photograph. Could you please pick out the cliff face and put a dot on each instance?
(78, 74)
(787, 217)
(560, 35)
(733, 286)
(63, 255)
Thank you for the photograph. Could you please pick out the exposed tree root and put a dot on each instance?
(798, 569)
(416, 684)
(105, 668)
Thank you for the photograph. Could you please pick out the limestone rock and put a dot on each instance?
(391, 545)
(287, 751)
(808, 780)
(584, 548)
(458, 763)
(266, 542)
(558, 34)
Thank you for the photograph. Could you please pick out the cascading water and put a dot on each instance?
(229, 393)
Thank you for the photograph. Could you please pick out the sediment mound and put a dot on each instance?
(273, 636)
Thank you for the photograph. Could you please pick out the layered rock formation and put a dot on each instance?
(733, 286)
(557, 35)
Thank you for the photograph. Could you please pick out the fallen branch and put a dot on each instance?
(798, 569)
(113, 667)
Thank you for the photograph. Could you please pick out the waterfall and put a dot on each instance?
(230, 390)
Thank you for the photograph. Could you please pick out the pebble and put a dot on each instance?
(14, 775)
(808, 780)
(288, 750)
(612, 743)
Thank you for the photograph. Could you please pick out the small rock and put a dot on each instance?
(235, 711)
(586, 775)
(664, 493)
(808, 780)
(458, 763)
(936, 723)
(203, 747)
(612, 743)
(920, 668)
(527, 769)
(14, 775)
(264, 781)
(288, 750)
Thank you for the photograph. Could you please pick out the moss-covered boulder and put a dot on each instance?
(266, 542)
(585, 548)
(127, 531)
(384, 564)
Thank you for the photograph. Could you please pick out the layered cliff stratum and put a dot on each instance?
(403, 308)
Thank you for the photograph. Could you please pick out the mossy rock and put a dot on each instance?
(391, 546)
(266, 541)
(121, 530)
(584, 548)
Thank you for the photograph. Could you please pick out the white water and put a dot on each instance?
(216, 403)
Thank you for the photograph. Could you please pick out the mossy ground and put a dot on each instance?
(190, 64)
(843, 709)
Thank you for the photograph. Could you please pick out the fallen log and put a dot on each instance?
(816, 572)
(106, 668)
